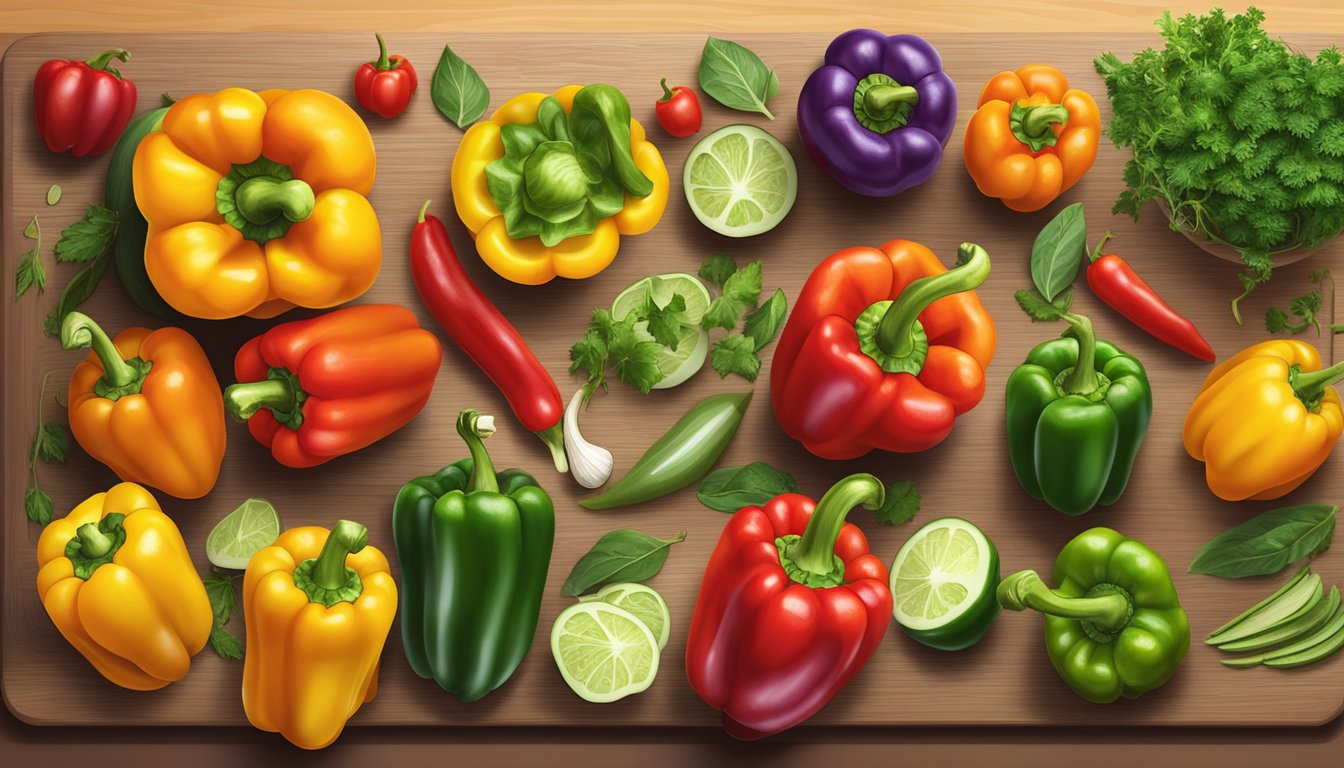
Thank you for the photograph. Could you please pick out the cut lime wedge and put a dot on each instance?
(243, 532)
(692, 342)
(942, 584)
(604, 653)
(643, 602)
(740, 181)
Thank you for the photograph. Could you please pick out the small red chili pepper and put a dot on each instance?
(1116, 284)
(385, 86)
(82, 106)
(487, 337)
(678, 111)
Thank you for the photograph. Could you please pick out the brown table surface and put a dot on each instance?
(25, 745)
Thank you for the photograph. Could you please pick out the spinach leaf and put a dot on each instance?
(764, 323)
(1058, 251)
(732, 488)
(624, 555)
(736, 78)
(458, 91)
(1268, 543)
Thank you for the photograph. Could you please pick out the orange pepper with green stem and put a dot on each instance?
(1032, 137)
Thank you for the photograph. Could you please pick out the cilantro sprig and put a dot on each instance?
(740, 291)
(221, 590)
(51, 444)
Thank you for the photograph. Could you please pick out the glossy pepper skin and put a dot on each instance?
(315, 389)
(82, 106)
(473, 546)
(878, 112)
(1265, 420)
(1078, 409)
(318, 607)
(116, 579)
(884, 349)
(1032, 138)
(792, 605)
(678, 111)
(256, 203)
(385, 86)
(147, 405)
(1114, 626)
(527, 260)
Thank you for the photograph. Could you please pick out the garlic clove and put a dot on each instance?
(590, 465)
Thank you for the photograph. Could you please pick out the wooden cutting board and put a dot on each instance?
(1005, 680)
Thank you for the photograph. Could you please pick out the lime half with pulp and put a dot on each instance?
(693, 341)
(643, 602)
(942, 584)
(740, 181)
(604, 653)
(243, 532)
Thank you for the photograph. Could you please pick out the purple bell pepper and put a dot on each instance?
(878, 113)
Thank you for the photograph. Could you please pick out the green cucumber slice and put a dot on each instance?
(1266, 615)
(1291, 629)
(1323, 635)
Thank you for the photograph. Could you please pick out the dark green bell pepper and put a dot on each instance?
(1078, 409)
(473, 547)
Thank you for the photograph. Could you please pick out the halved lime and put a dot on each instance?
(692, 342)
(740, 181)
(643, 602)
(942, 584)
(243, 532)
(604, 653)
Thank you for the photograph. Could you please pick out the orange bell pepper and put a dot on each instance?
(1032, 137)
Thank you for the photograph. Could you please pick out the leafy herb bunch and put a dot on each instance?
(1241, 136)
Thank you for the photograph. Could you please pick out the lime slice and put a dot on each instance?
(692, 342)
(242, 533)
(740, 181)
(603, 652)
(942, 584)
(643, 602)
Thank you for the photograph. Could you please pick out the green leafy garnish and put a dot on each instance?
(737, 78)
(31, 273)
(664, 323)
(901, 503)
(457, 91)
(1268, 542)
(89, 237)
(741, 290)
(731, 488)
(624, 555)
(764, 324)
(51, 443)
(1040, 310)
(716, 269)
(613, 344)
(1305, 309)
(735, 354)
(1058, 250)
(223, 596)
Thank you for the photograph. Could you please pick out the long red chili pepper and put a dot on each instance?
(487, 337)
(1117, 284)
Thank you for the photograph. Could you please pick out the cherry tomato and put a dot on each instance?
(678, 111)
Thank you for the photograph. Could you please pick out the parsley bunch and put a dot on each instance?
(1242, 137)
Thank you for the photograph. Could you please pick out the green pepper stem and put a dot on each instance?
(880, 101)
(1038, 119)
(1082, 380)
(1095, 253)
(423, 208)
(345, 539)
(554, 438)
(1024, 589)
(815, 551)
(383, 62)
(245, 399)
(1311, 385)
(474, 427)
(895, 332)
(79, 331)
(667, 92)
(262, 198)
(102, 60)
(93, 543)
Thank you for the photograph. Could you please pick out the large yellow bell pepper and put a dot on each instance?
(527, 260)
(116, 580)
(1265, 420)
(318, 608)
(256, 203)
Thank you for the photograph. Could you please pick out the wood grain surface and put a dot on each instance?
(1006, 680)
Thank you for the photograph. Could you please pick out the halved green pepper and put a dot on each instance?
(473, 547)
(1078, 409)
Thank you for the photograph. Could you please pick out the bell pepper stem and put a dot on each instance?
(79, 331)
(1038, 119)
(345, 539)
(474, 427)
(895, 332)
(667, 92)
(93, 543)
(1310, 385)
(104, 59)
(1025, 589)
(383, 61)
(245, 399)
(554, 438)
(881, 100)
(1082, 380)
(261, 198)
(815, 551)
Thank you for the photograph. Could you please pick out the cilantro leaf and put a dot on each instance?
(735, 354)
(223, 596)
(901, 503)
(716, 269)
(763, 324)
(633, 361)
(589, 355)
(51, 443)
(744, 285)
(664, 323)
(724, 312)
(37, 505)
(225, 645)
(1040, 310)
(30, 274)
(88, 238)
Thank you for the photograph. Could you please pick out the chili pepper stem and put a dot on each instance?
(1095, 253)
(895, 333)
(474, 427)
(423, 209)
(383, 61)
(245, 399)
(345, 539)
(1107, 612)
(262, 198)
(79, 331)
(814, 553)
(1310, 385)
(1082, 380)
(102, 60)
(667, 92)
(554, 438)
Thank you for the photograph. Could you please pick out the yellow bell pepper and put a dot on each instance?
(256, 203)
(1265, 420)
(528, 260)
(116, 580)
(318, 608)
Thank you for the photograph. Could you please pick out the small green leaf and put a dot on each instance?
(763, 324)
(732, 488)
(89, 237)
(51, 443)
(736, 78)
(37, 505)
(458, 91)
(623, 555)
(735, 354)
(53, 194)
(1040, 310)
(716, 269)
(1268, 543)
(30, 274)
(901, 503)
(225, 645)
(724, 312)
(664, 323)
(744, 285)
(76, 292)
(1058, 251)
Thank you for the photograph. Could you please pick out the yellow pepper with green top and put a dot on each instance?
(549, 184)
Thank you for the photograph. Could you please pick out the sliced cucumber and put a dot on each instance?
(1291, 629)
(1315, 653)
(1267, 615)
(1300, 575)
(1323, 635)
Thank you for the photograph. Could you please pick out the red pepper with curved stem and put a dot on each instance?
(792, 605)
(385, 86)
(1120, 287)
(678, 110)
(82, 106)
(487, 337)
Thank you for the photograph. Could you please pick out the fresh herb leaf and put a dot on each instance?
(53, 194)
(716, 269)
(633, 361)
(1040, 310)
(1058, 251)
(589, 355)
(900, 504)
(664, 323)
(1268, 543)
(225, 645)
(51, 443)
(735, 354)
(724, 312)
(30, 274)
(624, 555)
(732, 488)
(89, 237)
(457, 90)
(736, 78)
(744, 285)
(220, 588)
(37, 505)
(764, 324)
(76, 292)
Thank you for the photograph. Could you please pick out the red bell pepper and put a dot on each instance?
(82, 106)
(385, 86)
(884, 349)
(315, 389)
(792, 605)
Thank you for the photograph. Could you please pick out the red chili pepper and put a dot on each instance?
(385, 86)
(791, 607)
(1116, 284)
(82, 106)
(678, 111)
(487, 337)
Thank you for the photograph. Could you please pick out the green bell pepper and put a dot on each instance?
(1114, 625)
(1078, 409)
(474, 547)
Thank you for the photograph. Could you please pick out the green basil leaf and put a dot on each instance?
(76, 292)
(37, 505)
(225, 644)
(623, 555)
(458, 91)
(736, 78)
(732, 488)
(89, 237)
(1268, 543)
(1058, 251)
(763, 324)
